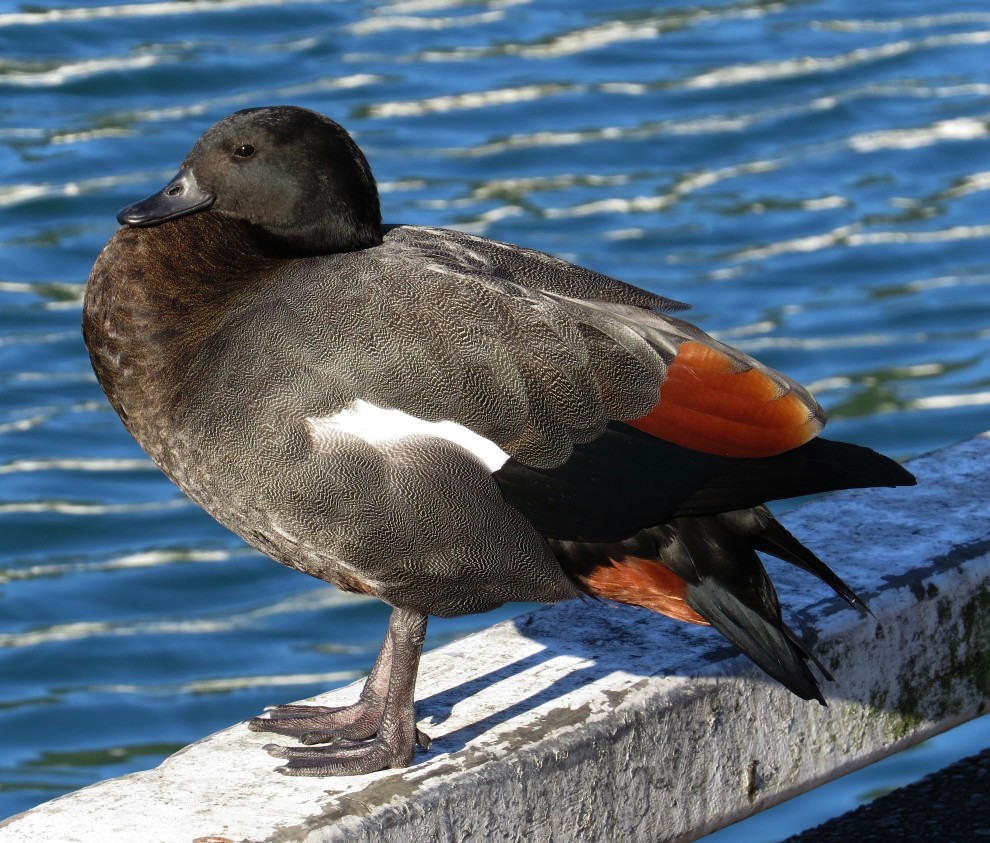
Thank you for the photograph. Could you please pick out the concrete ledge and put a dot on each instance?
(594, 722)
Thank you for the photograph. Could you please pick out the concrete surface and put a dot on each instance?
(594, 722)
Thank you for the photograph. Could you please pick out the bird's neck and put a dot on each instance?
(154, 302)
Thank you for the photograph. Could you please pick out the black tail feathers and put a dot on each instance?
(765, 640)
(729, 587)
(711, 543)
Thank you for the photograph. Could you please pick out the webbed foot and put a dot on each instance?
(346, 758)
(377, 732)
(316, 724)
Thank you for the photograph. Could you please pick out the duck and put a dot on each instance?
(443, 421)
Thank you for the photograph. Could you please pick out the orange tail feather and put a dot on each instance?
(642, 582)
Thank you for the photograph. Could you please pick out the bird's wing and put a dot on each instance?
(539, 355)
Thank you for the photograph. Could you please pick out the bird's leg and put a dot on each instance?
(384, 713)
(352, 722)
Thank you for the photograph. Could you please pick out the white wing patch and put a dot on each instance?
(378, 426)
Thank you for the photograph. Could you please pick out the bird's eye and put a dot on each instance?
(244, 151)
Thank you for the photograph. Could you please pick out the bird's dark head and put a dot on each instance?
(294, 176)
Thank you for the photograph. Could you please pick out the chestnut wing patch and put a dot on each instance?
(713, 402)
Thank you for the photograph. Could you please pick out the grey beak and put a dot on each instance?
(179, 197)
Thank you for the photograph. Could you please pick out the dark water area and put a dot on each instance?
(812, 177)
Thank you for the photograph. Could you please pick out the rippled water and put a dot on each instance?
(813, 176)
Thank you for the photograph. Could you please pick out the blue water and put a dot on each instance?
(812, 176)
